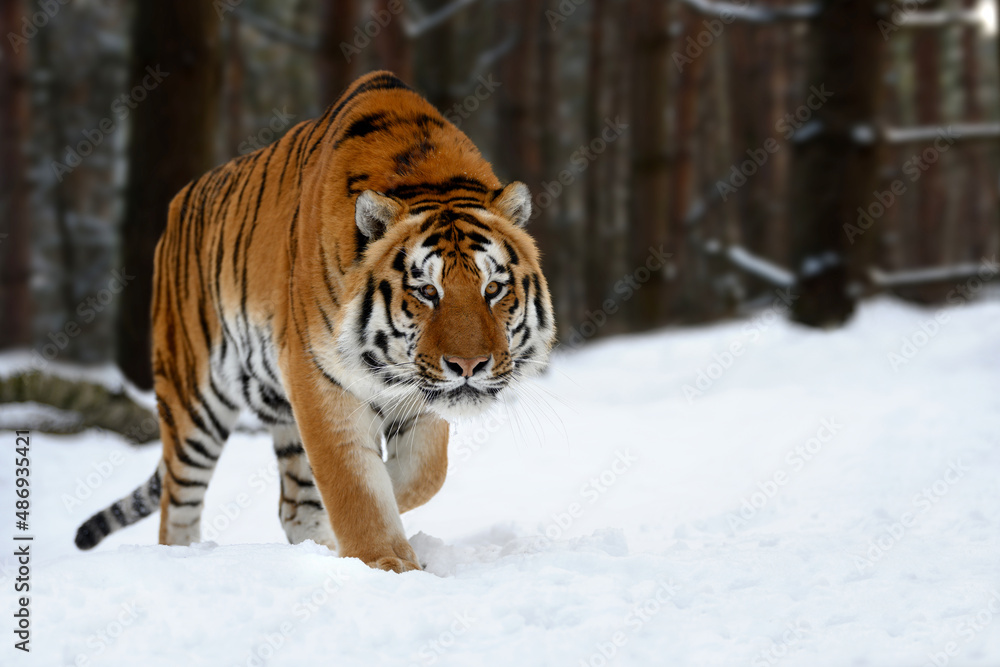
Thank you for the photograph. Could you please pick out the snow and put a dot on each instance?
(612, 511)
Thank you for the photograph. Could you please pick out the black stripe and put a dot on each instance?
(221, 430)
(365, 125)
(139, 504)
(294, 449)
(539, 310)
(187, 460)
(218, 394)
(167, 414)
(510, 252)
(299, 481)
(101, 523)
(310, 503)
(198, 421)
(471, 220)
(116, 511)
(176, 503)
(367, 304)
(382, 342)
(153, 487)
(399, 262)
(380, 82)
(409, 191)
(360, 243)
(201, 449)
(183, 481)
(291, 143)
(386, 291)
(352, 180)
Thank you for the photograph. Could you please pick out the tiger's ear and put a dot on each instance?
(514, 202)
(375, 212)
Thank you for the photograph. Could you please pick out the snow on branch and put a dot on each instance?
(957, 131)
(940, 17)
(937, 274)
(486, 60)
(750, 263)
(731, 11)
(274, 31)
(428, 22)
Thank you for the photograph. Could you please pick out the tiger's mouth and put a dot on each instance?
(464, 391)
(462, 400)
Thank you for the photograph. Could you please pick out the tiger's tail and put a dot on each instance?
(128, 510)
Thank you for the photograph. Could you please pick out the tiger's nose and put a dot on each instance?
(466, 366)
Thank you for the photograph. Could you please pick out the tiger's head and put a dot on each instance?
(453, 308)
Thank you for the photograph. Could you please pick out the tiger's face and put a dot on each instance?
(454, 310)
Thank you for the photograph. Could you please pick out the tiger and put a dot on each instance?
(356, 285)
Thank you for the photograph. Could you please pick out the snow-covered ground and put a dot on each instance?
(819, 498)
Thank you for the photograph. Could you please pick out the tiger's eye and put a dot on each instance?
(429, 291)
(492, 289)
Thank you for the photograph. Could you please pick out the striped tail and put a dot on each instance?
(131, 509)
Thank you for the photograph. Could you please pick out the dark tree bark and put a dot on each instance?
(597, 213)
(522, 116)
(930, 196)
(975, 219)
(176, 59)
(15, 221)
(436, 64)
(684, 303)
(835, 162)
(650, 160)
(235, 74)
(392, 46)
(336, 68)
(518, 152)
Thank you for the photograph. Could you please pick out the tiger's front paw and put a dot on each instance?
(392, 557)
(393, 564)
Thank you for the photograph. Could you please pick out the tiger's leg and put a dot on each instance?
(300, 505)
(194, 424)
(341, 437)
(417, 458)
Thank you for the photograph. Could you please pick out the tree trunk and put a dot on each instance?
(436, 62)
(690, 86)
(235, 75)
(176, 69)
(518, 154)
(975, 217)
(93, 405)
(597, 196)
(926, 230)
(336, 68)
(835, 162)
(15, 222)
(650, 161)
(393, 48)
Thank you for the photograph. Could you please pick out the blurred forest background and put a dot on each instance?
(690, 159)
